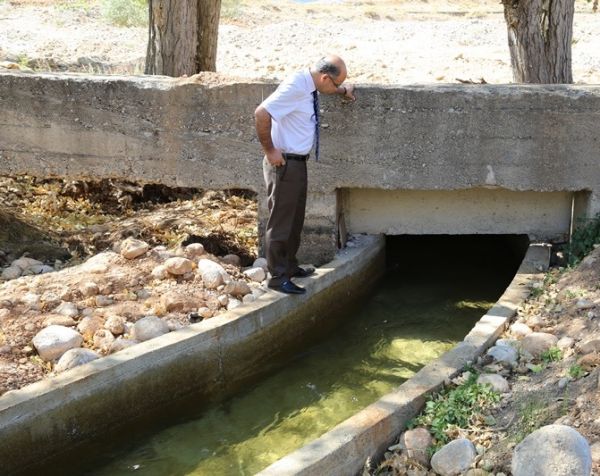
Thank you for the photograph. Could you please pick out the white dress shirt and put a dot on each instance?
(292, 112)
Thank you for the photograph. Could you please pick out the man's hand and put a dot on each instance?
(275, 158)
(349, 92)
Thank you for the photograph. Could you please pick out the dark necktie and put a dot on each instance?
(316, 108)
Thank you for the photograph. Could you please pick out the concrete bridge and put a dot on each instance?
(439, 159)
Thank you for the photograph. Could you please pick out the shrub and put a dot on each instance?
(125, 12)
(584, 237)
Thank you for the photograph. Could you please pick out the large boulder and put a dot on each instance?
(416, 444)
(132, 248)
(53, 341)
(553, 450)
(213, 274)
(74, 358)
(149, 327)
(454, 458)
(537, 343)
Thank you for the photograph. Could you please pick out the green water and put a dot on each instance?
(420, 310)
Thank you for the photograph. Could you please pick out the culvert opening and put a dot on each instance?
(434, 290)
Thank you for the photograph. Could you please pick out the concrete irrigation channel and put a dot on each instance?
(214, 359)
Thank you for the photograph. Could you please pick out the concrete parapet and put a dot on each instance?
(199, 132)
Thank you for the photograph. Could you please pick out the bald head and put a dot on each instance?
(332, 65)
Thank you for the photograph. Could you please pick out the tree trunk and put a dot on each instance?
(539, 37)
(182, 36)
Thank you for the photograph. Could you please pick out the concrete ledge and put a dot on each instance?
(207, 361)
(344, 450)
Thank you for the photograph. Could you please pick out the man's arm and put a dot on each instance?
(262, 119)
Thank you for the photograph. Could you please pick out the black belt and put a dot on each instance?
(295, 156)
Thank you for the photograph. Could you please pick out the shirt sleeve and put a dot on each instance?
(283, 101)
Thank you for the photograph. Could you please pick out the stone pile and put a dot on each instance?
(92, 317)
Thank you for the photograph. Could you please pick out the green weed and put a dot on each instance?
(456, 407)
(553, 354)
(576, 371)
(585, 236)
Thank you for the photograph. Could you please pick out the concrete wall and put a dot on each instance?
(199, 133)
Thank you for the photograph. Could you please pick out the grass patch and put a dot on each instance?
(458, 407)
(125, 12)
(553, 354)
(231, 9)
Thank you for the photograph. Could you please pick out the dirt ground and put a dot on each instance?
(383, 41)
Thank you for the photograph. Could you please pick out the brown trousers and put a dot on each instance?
(286, 199)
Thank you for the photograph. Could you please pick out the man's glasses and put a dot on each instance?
(334, 83)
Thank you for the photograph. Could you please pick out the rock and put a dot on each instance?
(174, 324)
(584, 304)
(89, 325)
(223, 299)
(160, 272)
(248, 298)
(497, 382)
(103, 339)
(233, 303)
(589, 346)
(563, 382)
(89, 289)
(178, 265)
(143, 293)
(256, 274)
(120, 344)
(537, 343)
(103, 301)
(193, 250)
(261, 263)
(115, 324)
(100, 263)
(233, 260)
(74, 358)
(67, 309)
(508, 343)
(12, 272)
(589, 361)
(132, 248)
(148, 328)
(205, 313)
(58, 320)
(454, 458)
(50, 300)
(520, 330)
(553, 450)
(176, 301)
(53, 341)
(237, 288)
(503, 353)
(212, 273)
(565, 343)
(477, 472)
(416, 443)
(32, 301)
(39, 269)
(24, 263)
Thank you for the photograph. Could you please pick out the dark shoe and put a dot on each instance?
(288, 287)
(304, 272)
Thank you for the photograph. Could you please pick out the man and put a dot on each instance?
(287, 127)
